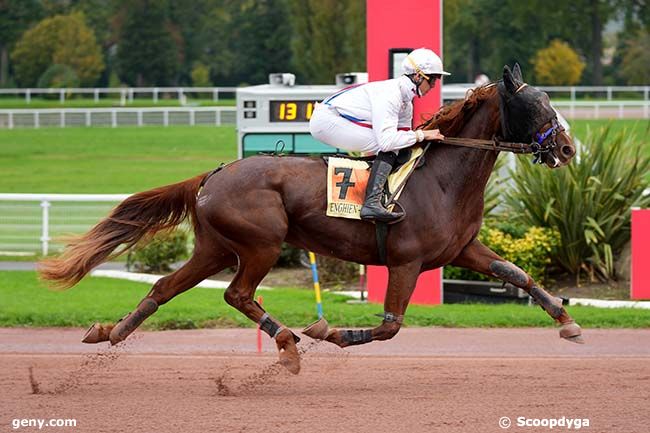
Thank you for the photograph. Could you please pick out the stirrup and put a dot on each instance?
(388, 217)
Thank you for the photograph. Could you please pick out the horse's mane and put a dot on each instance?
(452, 117)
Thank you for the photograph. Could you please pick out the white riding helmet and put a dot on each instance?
(423, 62)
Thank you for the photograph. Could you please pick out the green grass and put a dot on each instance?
(640, 128)
(37, 103)
(123, 160)
(24, 301)
(109, 160)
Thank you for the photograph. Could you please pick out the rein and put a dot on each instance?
(541, 144)
(494, 144)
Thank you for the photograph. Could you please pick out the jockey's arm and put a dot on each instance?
(385, 121)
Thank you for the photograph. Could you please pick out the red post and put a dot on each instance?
(393, 25)
(640, 279)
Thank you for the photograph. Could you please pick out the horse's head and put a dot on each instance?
(527, 116)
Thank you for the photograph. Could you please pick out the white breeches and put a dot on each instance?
(328, 126)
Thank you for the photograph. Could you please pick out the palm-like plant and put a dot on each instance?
(495, 187)
(588, 202)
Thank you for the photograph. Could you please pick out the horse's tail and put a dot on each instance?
(144, 213)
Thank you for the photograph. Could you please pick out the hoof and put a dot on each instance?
(571, 331)
(289, 357)
(317, 330)
(577, 339)
(290, 360)
(97, 333)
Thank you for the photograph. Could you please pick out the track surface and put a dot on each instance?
(424, 380)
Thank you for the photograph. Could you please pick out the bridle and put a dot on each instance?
(543, 144)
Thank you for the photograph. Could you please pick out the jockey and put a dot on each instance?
(376, 118)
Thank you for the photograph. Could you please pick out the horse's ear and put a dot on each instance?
(516, 72)
(509, 80)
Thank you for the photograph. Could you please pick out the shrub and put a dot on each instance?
(330, 270)
(200, 75)
(58, 76)
(558, 65)
(289, 257)
(158, 253)
(531, 249)
(336, 272)
(588, 202)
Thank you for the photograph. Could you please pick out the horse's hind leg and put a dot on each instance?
(401, 283)
(478, 257)
(254, 264)
(200, 266)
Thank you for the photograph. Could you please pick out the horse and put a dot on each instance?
(242, 213)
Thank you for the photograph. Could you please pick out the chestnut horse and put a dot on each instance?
(243, 213)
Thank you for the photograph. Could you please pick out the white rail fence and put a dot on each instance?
(126, 94)
(216, 116)
(609, 92)
(31, 223)
(114, 117)
(603, 109)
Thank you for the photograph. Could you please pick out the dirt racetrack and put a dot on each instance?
(424, 380)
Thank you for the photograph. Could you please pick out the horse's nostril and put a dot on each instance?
(568, 150)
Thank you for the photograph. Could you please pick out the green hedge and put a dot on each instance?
(530, 248)
(158, 253)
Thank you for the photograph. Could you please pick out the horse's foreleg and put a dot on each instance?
(401, 282)
(198, 268)
(253, 267)
(478, 257)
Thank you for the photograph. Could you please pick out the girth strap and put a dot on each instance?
(381, 231)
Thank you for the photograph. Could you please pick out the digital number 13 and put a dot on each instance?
(288, 111)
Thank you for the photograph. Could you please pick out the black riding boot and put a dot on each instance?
(373, 209)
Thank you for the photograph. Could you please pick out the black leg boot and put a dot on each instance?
(373, 209)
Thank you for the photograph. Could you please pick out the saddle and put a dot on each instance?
(347, 178)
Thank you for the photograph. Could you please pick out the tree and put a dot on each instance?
(200, 75)
(328, 37)
(558, 65)
(246, 40)
(194, 22)
(583, 22)
(63, 40)
(148, 48)
(635, 66)
(15, 17)
(218, 53)
(483, 35)
(260, 42)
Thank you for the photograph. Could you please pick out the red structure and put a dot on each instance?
(640, 281)
(393, 29)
